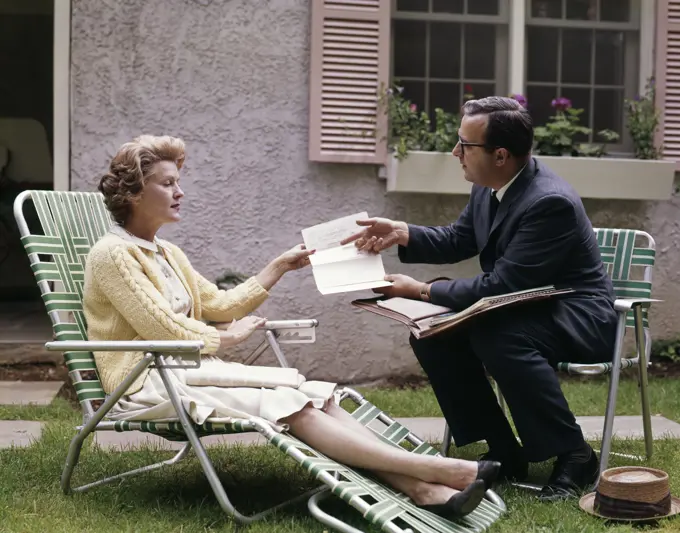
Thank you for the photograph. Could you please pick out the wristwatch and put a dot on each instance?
(425, 292)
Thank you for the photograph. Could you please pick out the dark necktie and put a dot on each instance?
(493, 207)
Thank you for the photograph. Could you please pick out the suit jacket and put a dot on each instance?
(541, 235)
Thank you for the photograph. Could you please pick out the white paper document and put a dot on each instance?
(339, 268)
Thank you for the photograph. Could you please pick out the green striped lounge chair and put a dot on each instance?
(70, 223)
(628, 256)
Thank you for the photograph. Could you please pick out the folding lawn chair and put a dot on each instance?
(630, 268)
(71, 223)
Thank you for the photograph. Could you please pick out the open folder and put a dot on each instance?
(426, 319)
(339, 268)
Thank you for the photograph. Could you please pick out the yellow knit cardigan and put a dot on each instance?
(125, 298)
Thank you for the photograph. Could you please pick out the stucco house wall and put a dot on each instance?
(231, 78)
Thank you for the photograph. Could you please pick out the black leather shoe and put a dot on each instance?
(461, 503)
(488, 472)
(513, 468)
(570, 477)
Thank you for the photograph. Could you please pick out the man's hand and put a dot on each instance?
(380, 234)
(402, 285)
(233, 333)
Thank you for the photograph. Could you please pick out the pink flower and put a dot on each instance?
(520, 98)
(561, 103)
(413, 108)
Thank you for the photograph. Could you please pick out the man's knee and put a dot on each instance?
(505, 351)
(425, 350)
(442, 344)
(421, 345)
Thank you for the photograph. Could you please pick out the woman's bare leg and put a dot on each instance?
(348, 420)
(421, 492)
(331, 437)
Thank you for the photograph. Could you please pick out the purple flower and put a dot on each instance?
(561, 103)
(637, 98)
(521, 99)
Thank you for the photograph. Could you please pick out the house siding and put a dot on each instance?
(232, 79)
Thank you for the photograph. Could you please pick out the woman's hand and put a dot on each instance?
(295, 258)
(237, 331)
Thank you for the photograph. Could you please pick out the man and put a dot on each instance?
(530, 229)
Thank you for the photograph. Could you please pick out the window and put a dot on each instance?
(587, 51)
(443, 49)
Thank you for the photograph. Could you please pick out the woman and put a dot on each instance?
(140, 287)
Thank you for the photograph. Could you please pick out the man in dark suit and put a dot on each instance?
(530, 229)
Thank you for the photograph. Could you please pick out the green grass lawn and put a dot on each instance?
(178, 499)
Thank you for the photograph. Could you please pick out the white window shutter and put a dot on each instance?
(667, 76)
(349, 69)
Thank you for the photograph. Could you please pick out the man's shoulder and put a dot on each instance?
(547, 183)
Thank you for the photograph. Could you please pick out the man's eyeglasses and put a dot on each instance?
(463, 144)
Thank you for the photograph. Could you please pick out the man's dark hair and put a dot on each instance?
(509, 126)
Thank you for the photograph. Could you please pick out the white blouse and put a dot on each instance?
(180, 299)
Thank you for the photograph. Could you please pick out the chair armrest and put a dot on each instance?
(626, 304)
(189, 351)
(290, 324)
(292, 331)
(184, 347)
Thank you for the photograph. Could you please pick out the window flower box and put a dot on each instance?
(591, 177)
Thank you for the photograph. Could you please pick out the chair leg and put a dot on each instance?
(276, 348)
(613, 390)
(446, 441)
(642, 376)
(325, 518)
(91, 426)
(501, 399)
(74, 454)
(205, 461)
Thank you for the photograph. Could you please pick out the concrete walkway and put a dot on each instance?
(22, 433)
(19, 433)
(28, 392)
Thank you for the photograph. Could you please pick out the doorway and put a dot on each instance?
(27, 153)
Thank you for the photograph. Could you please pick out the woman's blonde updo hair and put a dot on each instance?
(131, 167)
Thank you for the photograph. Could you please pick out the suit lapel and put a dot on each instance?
(514, 191)
(486, 203)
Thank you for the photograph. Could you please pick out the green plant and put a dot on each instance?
(642, 120)
(410, 129)
(668, 349)
(445, 134)
(557, 136)
(230, 279)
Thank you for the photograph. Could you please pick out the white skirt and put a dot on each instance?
(222, 403)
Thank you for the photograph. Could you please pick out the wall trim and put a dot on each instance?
(604, 177)
(517, 38)
(647, 38)
(62, 95)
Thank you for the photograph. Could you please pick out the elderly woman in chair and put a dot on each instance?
(138, 286)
